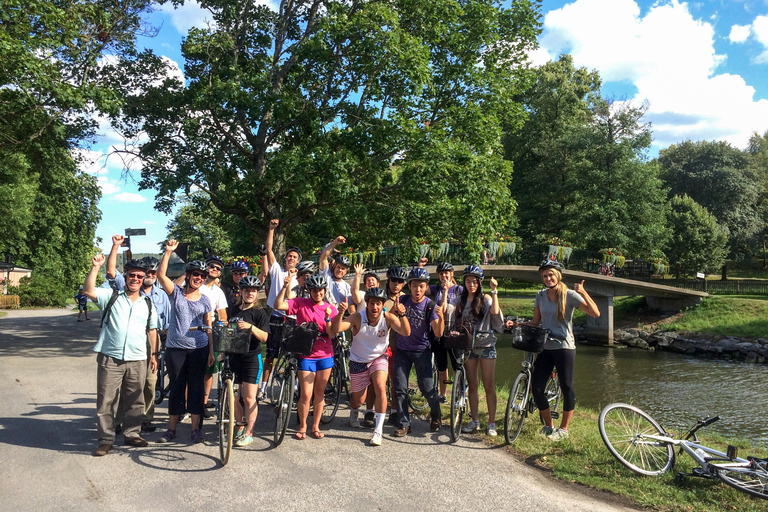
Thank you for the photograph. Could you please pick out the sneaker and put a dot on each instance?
(207, 414)
(402, 431)
(435, 425)
(471, 427)
(244, 440)
(80, 320)
(369, 421)
(376, 439)
(442, 399)
(261, 396)
(492, 429)
(558, 435)
(184, 417)
(167, 436)
(354, 420)
(197, 435)
(546, 431)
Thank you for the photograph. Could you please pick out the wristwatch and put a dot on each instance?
(494, 292)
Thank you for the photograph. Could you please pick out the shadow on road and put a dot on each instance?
(175, 459)
(47, 337)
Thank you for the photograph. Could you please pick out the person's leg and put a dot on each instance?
(109, 376)
(379, 382)
(321, 379)
(248, 390)
(470, 366)
(306, 389)
(176, 362)
(488, 369)
(402, 369)
(197, 362)
(132, 391)
(565, 363)
(441, 361)
(423, 362)
(149, 398)
(542, 369)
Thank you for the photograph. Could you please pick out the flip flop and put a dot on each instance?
(300, 435)
(317, 434)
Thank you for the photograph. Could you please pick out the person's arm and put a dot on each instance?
(208, 320)
(340, 324)
(280, 301)
(180, 280)
(117, 241)
(588, 306)
(397, 320)
(162, 269)
(495, 309)
(153, 345)
(358, 295)
(89, 286)
(255, 331)
(270, 241)
(329, 316)
(438, 324)
(263, 271)
(328, 250)
(536, 320)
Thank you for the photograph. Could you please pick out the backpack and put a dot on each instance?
(107, 313)
(430, 334)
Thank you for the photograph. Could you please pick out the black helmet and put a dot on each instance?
(295, 249)
(214, 259)
(137, 265)
(197, 266)
(545, 264)
(395, 272)
(306, 266)
(152, 262)
(474, 270)
(418, 274)
(250, 282)
(370, 273)
(339, 258)
(316, 282)
(376, 293)
(444, 266)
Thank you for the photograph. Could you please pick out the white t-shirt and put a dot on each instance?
(337, 290)
(215, 295)
(277, 279)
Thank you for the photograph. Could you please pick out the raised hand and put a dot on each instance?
(439, 311)
(579, 288)
(341, 306)
(273, 224)
(329, 311)
(494, 283)
(98, 260)
(423, 261)
(171, 245)
(399, 308)
(339, 240)
(289, 277)
(359, 269)
(118, 240)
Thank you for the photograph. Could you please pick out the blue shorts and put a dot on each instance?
(315, 365)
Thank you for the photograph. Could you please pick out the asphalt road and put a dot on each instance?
(48, 433)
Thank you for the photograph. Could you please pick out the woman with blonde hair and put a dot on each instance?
(553, 310)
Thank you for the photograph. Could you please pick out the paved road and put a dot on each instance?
(47, 435)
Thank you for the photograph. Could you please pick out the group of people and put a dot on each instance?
(392, 333)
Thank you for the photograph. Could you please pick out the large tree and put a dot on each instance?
(697, 242)
(374, 119)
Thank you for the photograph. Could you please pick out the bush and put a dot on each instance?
(698, 243)
(42, 291)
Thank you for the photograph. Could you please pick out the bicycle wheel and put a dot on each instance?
(226, 420)
(752, 480)
(624, 429)
(160, 384)
(284, 404)
(554, 397)
(276, 379)
(416, 401)
(458, 403)
(332, 394)
(516, 408)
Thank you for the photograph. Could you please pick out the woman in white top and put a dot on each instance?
(368, 359)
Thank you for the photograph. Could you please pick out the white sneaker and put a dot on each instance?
(492, 429)
(376, 439)
(558, 435)
(470, 428)
(354, 419)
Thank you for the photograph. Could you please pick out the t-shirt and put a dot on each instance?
(485, 323)
(187, 313)
(454, 295)
(124, 336)
(562, 332)
(81, 299)
(215, 295)
(307, 311)
(277, 280)
(255, 316)
(339, 290)
(416, 313)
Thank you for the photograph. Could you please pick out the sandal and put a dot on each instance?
(317, 434)
(300, 435)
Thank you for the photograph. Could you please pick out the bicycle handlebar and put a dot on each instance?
(200, 328)
(709, 421)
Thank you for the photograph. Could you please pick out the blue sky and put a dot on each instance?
(702, 68)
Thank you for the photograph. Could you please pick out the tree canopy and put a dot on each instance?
(697, 242)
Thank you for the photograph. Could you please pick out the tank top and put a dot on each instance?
(371, 341)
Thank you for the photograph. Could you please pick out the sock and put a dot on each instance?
(379, 422)
(353, 414)
(367, 411)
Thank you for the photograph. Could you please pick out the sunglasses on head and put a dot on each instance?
(134, 276)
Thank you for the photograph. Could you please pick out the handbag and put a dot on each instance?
(302, 338)
(459, 338)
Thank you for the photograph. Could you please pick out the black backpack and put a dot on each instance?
(107, 313)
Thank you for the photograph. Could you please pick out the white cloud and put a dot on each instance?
(108, 186)
(129, 197)
(670, 57)
(186, 16)
(739, 33)
(760, 31)
(89, 161)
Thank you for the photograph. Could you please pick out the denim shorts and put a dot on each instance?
(483, 353)
(315, 365)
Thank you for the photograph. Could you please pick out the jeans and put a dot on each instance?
(403, 361)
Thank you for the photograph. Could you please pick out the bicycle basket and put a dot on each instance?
(302, 339)
(231, 340)
(459, 339)
(529, 338)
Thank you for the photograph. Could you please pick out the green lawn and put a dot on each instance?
(729, 316)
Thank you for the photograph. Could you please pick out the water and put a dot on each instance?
(677, 390)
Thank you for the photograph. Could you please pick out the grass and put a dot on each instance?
(730, 316)
(2, 314)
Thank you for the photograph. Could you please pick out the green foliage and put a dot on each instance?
(202, 225)
(697, 241)
(378, 119)
(43, 290)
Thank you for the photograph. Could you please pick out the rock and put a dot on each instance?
(760, 359)
(680, 346)
(745, 347)
(751, 357)
(642, 344)
(691, 350)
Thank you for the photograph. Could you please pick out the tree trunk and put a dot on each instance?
(723, 276)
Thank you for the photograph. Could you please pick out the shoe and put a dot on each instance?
(80, 320)
(402, 431)
(184, 416)
(492, 429)
(119, 428)
(207, 414)
(435, 425)
(354, 420)
(148, 427)
(558, 435)
(167, 436)
(136, 442)
(392, 419)
(197, 435)
(546, 431)
(442, 399)
(376, 439)
(261, 396)
(470, 428)
(369, 421)
(88, 319)
(102, 450)
(244, 440)
(210, 405)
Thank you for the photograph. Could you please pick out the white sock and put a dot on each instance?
(379, 422)
(353, 413)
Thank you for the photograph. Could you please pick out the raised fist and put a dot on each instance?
(341, 306)
(439, 311)
(171, 245)
(273, 224)
(98, 260)
(118, 240)
(494, 283)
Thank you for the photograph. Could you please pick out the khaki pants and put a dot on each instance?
(149, 395)
(118, 379)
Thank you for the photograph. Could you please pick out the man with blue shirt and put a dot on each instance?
(122, 353)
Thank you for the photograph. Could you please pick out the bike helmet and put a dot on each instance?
(137, 265)
(316, 282)
(294, 249)
(152, 262)
(474, 270)
(418, 274)
(239, 266)
(306, 266)
(342, 260)
(395, 272)
(444, 266)
(197, 266)
(376, 293)
(370, 273)
(550, 264)
(214, 259)
(250, 282)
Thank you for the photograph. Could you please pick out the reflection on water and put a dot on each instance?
(675, 389)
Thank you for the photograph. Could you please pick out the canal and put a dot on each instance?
(675, 389)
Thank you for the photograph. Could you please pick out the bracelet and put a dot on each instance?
(328, 319)
(155, 353)
(494, 292)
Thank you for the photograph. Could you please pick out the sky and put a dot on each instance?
(701, 67)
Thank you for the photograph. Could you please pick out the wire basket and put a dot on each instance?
(529, 338)
(459, 339)
(231, 340)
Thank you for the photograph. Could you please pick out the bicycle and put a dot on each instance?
(531, 340)
(460, 390)
(162, 388)
(421, 405)
(272, 390)
(338, 380)
(641, 444)
(298, 343)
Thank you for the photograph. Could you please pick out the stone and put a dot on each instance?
(751, 357)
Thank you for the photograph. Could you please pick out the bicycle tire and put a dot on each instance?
(516, 408)
(160, 383)
(275, 379)
(332, 394)
(622, 428)
(554, 396)
(752, 481)
(226, 421)
(458, 404)
(284, 405)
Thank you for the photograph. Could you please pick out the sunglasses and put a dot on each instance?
(151, 273)
(397, 281)
(134, 276)
(238, 272)
(214, 267)
(199, 274)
